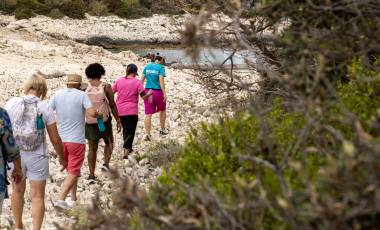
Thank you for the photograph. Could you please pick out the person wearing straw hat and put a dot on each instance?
(72, 105)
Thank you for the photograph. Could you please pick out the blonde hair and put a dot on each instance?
(36, 82)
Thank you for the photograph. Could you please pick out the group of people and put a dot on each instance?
(71, 116)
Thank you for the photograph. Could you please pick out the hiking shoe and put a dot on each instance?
(163, 132)
(147, 138)
(91, 179)
(61, 205)
(105, 168)
(70, 203)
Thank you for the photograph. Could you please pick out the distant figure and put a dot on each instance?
(71, 106)
(154, 74)
(102, 99)
(30, 118)
(8, 153)
(128, 89)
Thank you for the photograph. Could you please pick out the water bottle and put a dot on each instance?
(40, 122)
(101, 125)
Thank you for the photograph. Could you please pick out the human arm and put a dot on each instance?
(90, 111)
(111, 101)
(11, 151)
(143, 75)
(162, 85)
(17, 175)
(142, 93)
(162, 74)
(55, 139)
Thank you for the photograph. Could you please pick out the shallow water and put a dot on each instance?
(209, 57)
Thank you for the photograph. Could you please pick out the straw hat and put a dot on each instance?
(73, 79)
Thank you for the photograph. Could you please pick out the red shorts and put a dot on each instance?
(155, 103)
(74, 155)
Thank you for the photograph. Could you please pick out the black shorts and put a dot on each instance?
(93, 133)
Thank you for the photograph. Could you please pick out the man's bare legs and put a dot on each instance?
(70, 184)
(17, 202)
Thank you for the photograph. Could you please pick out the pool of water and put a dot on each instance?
(207, 57)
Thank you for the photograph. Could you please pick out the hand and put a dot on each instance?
(150, 92)
(165, 97)
(17, 175)
(118, 126)
(63, 163)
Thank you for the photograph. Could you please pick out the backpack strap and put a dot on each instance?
(107, 99)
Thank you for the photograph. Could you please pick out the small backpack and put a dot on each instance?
(26, 133)
(99, 102)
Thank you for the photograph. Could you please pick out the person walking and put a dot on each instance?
(102, 99)
(31, 118)
(128, 89)
(9, 153)
(154, 74)
(71, 105)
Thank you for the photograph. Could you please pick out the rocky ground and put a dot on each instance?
(106, 31)
(28, 46)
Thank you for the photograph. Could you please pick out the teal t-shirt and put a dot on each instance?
(152, 73)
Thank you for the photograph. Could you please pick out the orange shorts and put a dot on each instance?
(74, 155)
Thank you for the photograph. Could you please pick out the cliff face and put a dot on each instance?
(27, 46)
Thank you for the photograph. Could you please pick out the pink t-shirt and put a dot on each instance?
(128, 91)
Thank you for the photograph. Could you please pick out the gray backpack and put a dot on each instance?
(27, 136)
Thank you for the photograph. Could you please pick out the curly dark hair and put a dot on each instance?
(95, 71)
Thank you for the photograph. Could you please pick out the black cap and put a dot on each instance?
(132, 68)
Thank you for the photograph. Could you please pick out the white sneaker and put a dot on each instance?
(61, 205)
(70, 203)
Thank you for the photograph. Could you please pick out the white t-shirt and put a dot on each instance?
(70, 105)
(47, 116)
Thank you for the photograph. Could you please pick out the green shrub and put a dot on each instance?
(129, 9)
(113, 5)
(41, 8)
(98, 8)
(56, 14)
(24, 13)
(74, 9)
(162, 154)
(8, 6)
(361, 95)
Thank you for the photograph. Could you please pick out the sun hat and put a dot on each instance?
(132, 68)
(74, 79)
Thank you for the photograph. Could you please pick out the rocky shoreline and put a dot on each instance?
(27, 46)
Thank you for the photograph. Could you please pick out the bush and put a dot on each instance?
(162, 154)
(113, 5)
(128, 8)
(74, 9)
(56, 14)
(9, 6)
(24, 13)
(98, 8)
